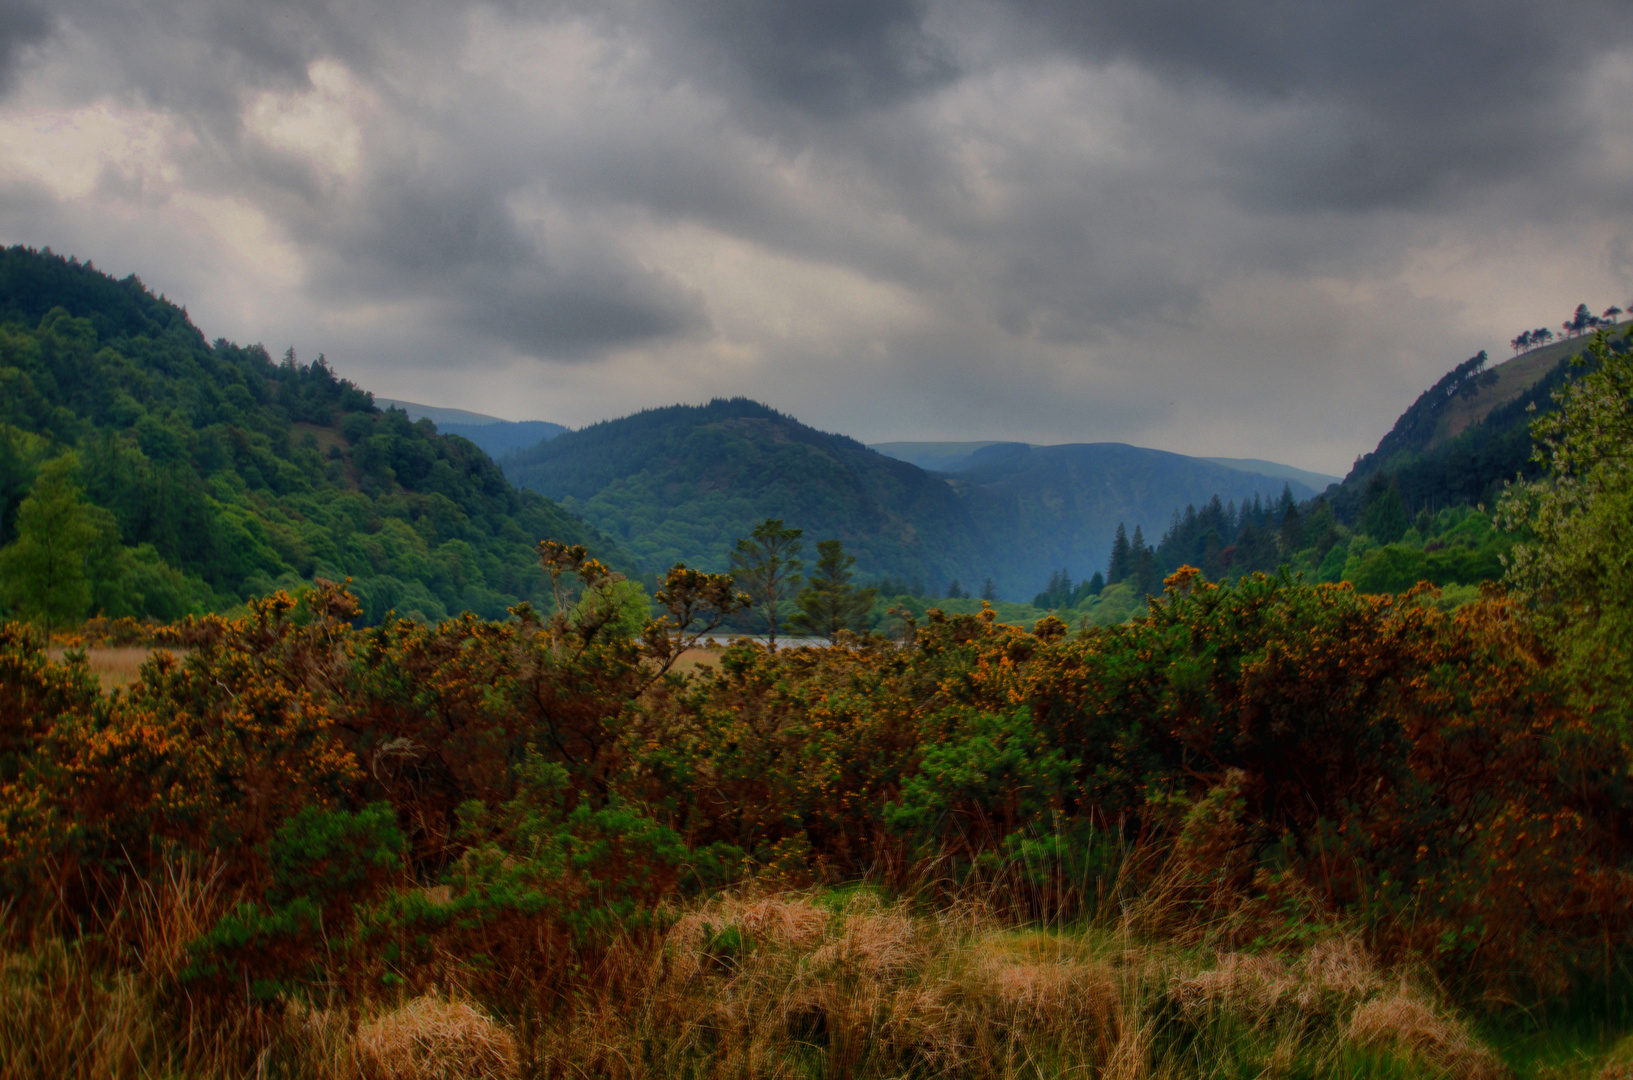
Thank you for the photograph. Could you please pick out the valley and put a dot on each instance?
(330, 747)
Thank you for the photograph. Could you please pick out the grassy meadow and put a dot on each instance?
(801, 983)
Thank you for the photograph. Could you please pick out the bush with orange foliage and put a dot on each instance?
(1246, 756)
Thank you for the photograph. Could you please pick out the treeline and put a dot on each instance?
(190, 476)
(1582, 321)
(1415, 508)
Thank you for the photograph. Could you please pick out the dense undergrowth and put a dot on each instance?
(1267, 829)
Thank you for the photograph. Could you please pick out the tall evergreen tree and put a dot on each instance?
(767, 567)
(1292, 526)
(1147, 577)
(830, 603)
(1383, 514)
(1122, 563)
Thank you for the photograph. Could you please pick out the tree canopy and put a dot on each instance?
(222, 473)
(830, 603)
(767, 567)
(1574, 565)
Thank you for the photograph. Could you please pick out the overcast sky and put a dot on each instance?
(1240, 229)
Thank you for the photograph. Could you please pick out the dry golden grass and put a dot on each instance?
(57, 1022)
(1414, 1026)
(1330, 979)
(115, 666)
(773, 985)
(433, 1039)
(693, 659)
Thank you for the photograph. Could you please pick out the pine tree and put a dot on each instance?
(1147, 578)
(830, 603)
(1383, 514)
(1122, 563)
(767, 567)
(1292, 526)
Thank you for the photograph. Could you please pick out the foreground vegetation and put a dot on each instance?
(818, 984)
(1271, 826)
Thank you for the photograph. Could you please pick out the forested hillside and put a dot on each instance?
(681, 484)
(1467, 435)
(1055, 507)
(184, 476)
(1416, 508)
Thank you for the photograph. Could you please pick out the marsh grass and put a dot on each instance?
(115, 666)
(777, 984)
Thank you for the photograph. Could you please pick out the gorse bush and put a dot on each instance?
(510, 807)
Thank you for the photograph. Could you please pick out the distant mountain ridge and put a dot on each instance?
(683, 482)
(496, 437)
(439, 414)
(956, 456)
(936, 456)
(1057, 507)
(1315, 480)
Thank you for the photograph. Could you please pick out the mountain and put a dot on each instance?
(439, 414)
(496, 437)
(1415, 508)
(1467, 435)
(952, 457)
(211, 473)
(935, 456)
(1057, 507)
(1301, 477)
(681, 484)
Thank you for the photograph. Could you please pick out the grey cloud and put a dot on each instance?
(1384, 103)
(568, 310)
(1041, 180)
(825, 57)
(545, 293)
(1452, 56)
(22, 23)
(817, 59)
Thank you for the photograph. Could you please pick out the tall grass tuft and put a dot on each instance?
(779, 984)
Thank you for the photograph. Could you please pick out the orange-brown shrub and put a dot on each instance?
(1255, 755)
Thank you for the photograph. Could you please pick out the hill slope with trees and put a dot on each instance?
(1416, 508)
(1054, 508)
(683, 483)
(193, 475)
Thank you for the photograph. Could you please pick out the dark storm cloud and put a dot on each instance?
(1040, 206)
(431, 217)
(22, 23)
(1385, 101)
(826, 57)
